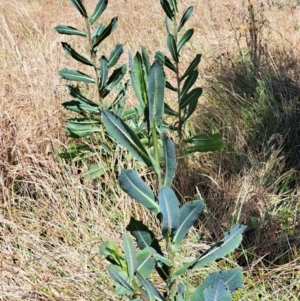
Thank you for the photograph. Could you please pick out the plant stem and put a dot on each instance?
(93, 55)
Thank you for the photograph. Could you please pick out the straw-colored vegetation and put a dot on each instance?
(52, 221)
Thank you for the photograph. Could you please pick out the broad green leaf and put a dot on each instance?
(139, 84)
(81, 107)
(69, 30)
(188, 214)
(164, 60)
(146, 262)
(114, 79)
(100, 8)
(190, 97)
(172, 47)
(75, 55)
(229, 243)
(193, 65)
(187, 14)
(120, 277)
(74, 75)
(184, 39)
(146, 61)
(111, 251)
(121, 132)
(170, 111)
(146, 285)
(79, 6)
(136, 188)
(105, 33)
(103, 73)
(189, 82)
(170, 160)
(156, 92)
(82, 127)
(232, 279)
(167, 9)
(115, 55)
(169, 206)
(144, 237)
(130, 255)
(95, 171)
(204, 143)
(217, 292)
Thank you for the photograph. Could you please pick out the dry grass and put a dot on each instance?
(51, 222)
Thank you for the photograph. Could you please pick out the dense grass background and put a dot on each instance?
(52, 222)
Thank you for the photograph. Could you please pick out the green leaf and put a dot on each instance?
(146, 61)
(167, 9)
(79, 6)
(144, 237)
(184, 39)
(82, 127)
(170, 111)
(75, 75)
(75, 55)
(130, 255)
(136, 188)
(204, 143)
(120, 277)
(188, 215)
(98, 30)
(95, 171)
(189, 82)
(100, 8)
(120, 131)
(170, 87)
(164, 60)
(231, 279)
(170, 160)
(172, 47)
(156, 92)
(173, 4)
(192, 96)
(146, 284)
(81, 107)
(190, 109)
(187, 14)
(105, 32)
(167, 25)
(111, 251)
(229, 243)
(114, 79)
(146, 262)
(137, 70)
(115, 55)
(69, 30)
(193, 65)
(103, 73)
(169, 206)
(217, 292)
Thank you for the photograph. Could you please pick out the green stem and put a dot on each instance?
(93, 55)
